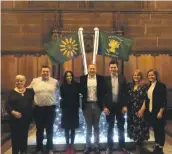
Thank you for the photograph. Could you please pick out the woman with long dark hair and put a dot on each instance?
(155, 106)
(70, 108)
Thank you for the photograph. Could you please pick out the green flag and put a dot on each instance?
(63, 49)
(114, 46)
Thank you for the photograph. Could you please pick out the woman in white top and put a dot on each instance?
(156, 104)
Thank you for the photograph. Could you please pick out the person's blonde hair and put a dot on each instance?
(141, 83)
(22, 77)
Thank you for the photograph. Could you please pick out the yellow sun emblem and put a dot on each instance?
(113, 45)
(69, 47)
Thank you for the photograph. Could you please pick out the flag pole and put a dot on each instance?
(96, 44)
(81, 40)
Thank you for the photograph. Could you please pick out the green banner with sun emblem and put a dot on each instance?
(114, 46)
(63, 49)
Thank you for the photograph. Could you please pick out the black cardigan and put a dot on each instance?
(159, 99)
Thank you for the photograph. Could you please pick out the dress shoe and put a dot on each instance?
(108, 151)
(87, 150)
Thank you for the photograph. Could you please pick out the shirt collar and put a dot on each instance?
(94, 77)
(114, 76)
(45, 80)
(153, 84)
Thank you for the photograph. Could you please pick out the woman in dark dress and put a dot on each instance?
(155, 108)
(70, 108)
(19, 106)
(138, 129)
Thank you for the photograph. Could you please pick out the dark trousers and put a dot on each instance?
(19, 135)
(92, 116)
(69, 134)
(158, 126)
(115, 110)
(44, 119)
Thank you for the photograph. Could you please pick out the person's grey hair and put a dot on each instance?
(22, 77)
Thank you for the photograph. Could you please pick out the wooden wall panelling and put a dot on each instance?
(78, 66)
(106, 67)
(89, 58)
(42, 60)
(27, 65)
(164, 67)
(145, 62)
(100, 64)
(129, 67)
(9, 71)
(67, 66)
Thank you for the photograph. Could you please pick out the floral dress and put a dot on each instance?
(138, 129)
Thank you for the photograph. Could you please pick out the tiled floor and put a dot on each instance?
(31, 142)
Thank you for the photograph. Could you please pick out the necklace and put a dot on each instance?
(20, 91)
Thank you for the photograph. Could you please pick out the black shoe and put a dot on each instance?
(97, 150)
(87, 150)
(157, 150)
(108, 151)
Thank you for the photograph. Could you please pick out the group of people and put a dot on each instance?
(144, 104)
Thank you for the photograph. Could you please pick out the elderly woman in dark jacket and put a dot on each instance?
(20, 107)
(155, 105)
(70, 108)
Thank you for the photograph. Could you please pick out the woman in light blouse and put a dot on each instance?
(156, 104)
(19, 106)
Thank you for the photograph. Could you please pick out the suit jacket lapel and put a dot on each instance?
(97, 82)
(156, 88)
(85, 84)
(109, 81)
(119, 82)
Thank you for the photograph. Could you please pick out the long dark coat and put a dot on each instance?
(70, 105)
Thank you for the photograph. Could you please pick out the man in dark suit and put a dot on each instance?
(92, 90)
(115, 105)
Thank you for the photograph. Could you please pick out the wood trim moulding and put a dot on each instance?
(87, 10)
(22, 53)
(134, 52)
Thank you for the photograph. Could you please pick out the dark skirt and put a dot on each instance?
(70, 118)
